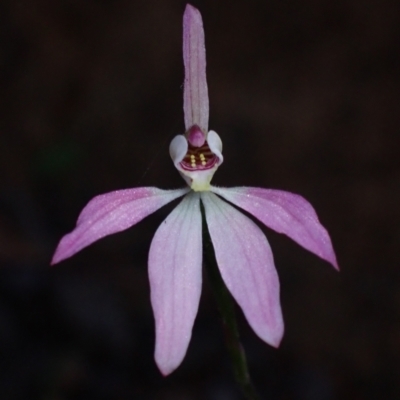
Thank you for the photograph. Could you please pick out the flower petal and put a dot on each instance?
(110, 213)
(195, 94)
(175, 280)
(178, 149)
(286, 213)
(215, 143)
(247, 267)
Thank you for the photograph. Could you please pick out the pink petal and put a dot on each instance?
(110, 213)
(175, 280)
(247, 267)
(286, 213)
(195, 95)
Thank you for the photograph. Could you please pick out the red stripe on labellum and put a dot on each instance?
(199, 158)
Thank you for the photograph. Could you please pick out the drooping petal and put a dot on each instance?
(286, 213)
(195, 95)
(110, 213)
(175, 281)
(247, 267)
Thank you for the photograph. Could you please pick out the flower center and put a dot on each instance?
(199, 158)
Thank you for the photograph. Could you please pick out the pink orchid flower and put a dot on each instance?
(242, 251)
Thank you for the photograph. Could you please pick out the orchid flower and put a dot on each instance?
(242, 251)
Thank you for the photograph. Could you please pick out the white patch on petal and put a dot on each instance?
(215, 144)
(178, 149)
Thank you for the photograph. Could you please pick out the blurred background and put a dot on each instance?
(305, 95)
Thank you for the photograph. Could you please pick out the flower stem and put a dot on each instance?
(226, 308)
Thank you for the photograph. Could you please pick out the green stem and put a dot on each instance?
(226, 307)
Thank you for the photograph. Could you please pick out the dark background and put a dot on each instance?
(305, 97)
